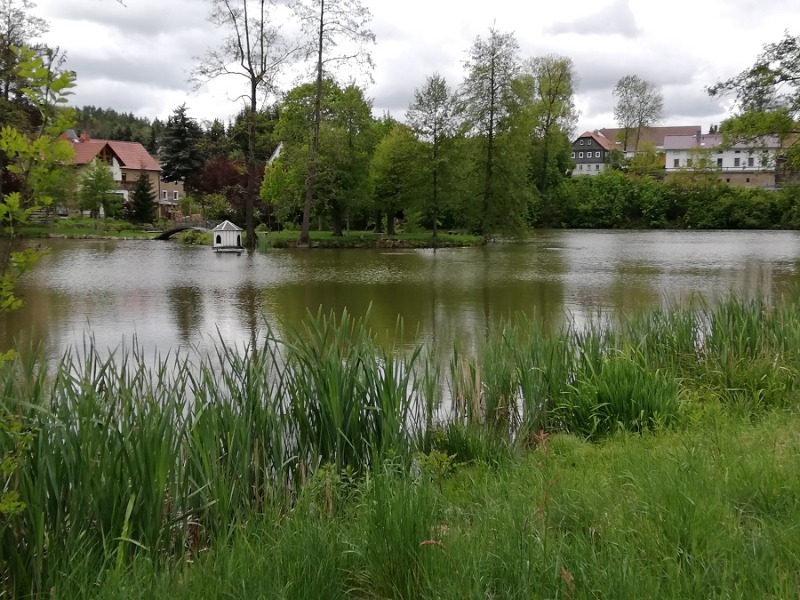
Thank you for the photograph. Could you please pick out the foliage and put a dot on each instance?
(216, 207)
(96, 189)
(395, 173)
(767, 96)
(142, 201)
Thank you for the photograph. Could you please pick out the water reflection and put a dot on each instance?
(172, 296)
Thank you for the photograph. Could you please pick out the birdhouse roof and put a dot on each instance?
(227, 226)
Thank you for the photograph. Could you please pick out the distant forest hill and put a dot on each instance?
(108, 124)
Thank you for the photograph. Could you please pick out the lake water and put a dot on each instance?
(170, 296)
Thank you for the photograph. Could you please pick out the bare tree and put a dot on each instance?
(255, 51)
(639, 104)
(327, 23)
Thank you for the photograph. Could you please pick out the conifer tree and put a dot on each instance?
(142, 205)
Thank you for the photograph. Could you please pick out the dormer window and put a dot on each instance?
(588, 142)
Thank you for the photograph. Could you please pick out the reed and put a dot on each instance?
(118, 458)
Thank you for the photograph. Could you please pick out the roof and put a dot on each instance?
(131, 155)
(653, 135)
(227, 226)
(601, 140)
(712, 140)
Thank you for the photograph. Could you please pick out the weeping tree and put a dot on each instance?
(337, 32)
(253, 51)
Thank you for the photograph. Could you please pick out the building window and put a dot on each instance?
(588, 142)
(727, 180)
(676, 162)
(747, 180)
(736, 161)
(719, 162)
(751, 161)
(580, 154)
(597, 154)
(688, 162)
(573, 155)
(124, 177)
(597, 167)
(175, 195)
(580, 167)
(737, 151)
(163, 194)
(580, 142)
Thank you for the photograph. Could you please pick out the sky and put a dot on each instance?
(137, 56)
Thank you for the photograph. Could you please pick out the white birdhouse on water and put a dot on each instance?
(227, 237)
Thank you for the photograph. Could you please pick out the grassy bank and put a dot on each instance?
(369, 239)
(87, 228)
(650, 457)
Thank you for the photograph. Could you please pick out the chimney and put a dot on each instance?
(84, 137)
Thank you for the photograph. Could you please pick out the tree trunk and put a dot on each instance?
(312, 166)
(378, 221)
(250, 199)
(389, 223)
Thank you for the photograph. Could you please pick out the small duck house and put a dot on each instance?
(227, 237)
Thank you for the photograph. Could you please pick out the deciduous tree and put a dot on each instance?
(96, 188)
(432, 115)
(329, 24)
(639, 104)
(254, 51)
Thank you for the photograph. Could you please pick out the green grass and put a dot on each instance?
(84, 227)
(369, 239)
(653, 456)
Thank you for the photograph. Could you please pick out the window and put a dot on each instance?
(580, 167)
(580, 142)
(676, 162)
(175, 195)
(737, 151)
(163, 194)
(573, 155)
(727, 180)
(719, 162)
(688, 162)
(588, 142)
(747, 180)
(736, 161)
(124, 177)
(750, 161)
(597, 167)
(597, 154)
(580, 154)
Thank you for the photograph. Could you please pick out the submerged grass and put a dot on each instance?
(326, 465)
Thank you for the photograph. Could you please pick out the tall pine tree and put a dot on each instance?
(142, 207)
(180, 149)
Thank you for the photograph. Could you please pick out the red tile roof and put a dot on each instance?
(131, 155)
(602, 141)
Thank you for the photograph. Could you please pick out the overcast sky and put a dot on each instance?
(137, 57)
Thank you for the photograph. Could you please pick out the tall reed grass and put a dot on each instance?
(123, 458)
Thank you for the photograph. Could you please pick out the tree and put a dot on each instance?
(142, 202)
(552, 80)
(96, 188)
(346, 140)
(328, 23)
(639, 104)
(432, 116)
(395, 172)
(487, 99)
(179, 149)
(766, 98)
(254, 51)
(38, 159)
(17, 29)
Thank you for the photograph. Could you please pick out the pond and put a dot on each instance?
(166, 296)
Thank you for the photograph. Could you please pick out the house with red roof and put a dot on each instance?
(590, 153)
(127, 161)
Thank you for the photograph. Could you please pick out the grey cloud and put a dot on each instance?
(134, 17)
(691, 101)
(162, 74)
(616, 19)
